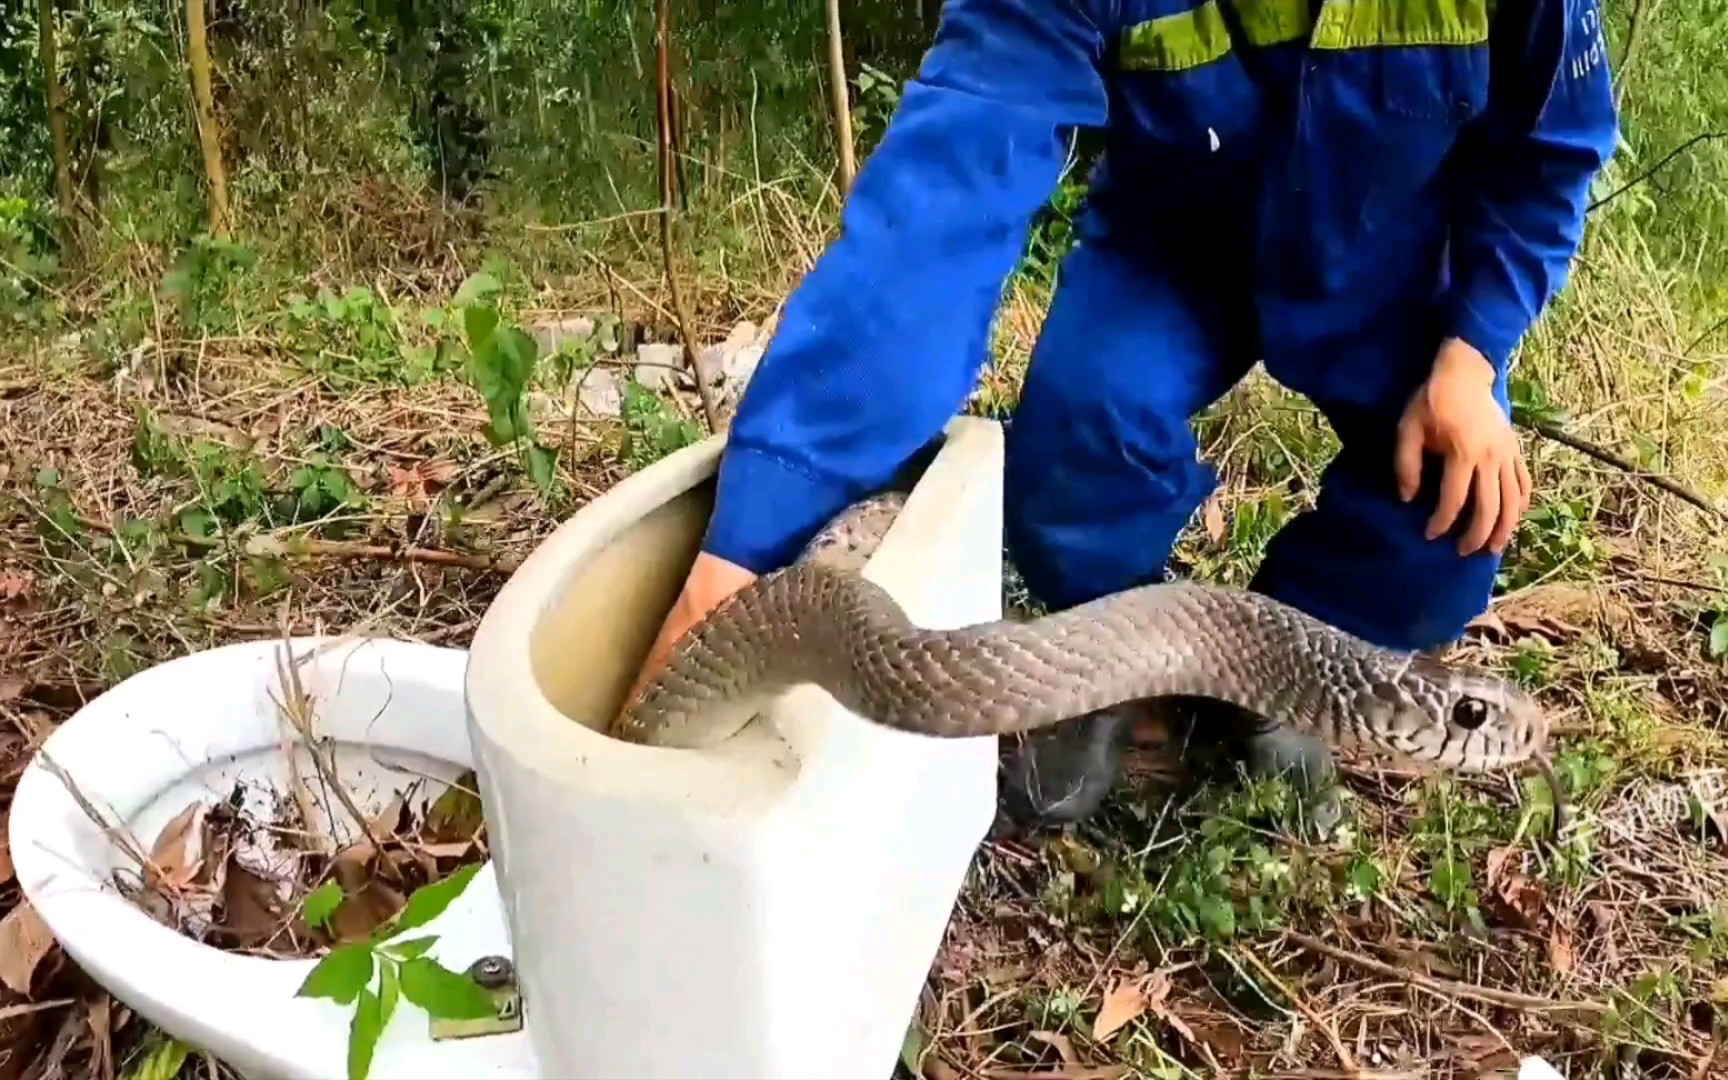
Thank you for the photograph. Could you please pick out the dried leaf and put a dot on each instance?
(1214, 519)
(1123, 1004)
(447, 851)
(388, 822)
(1157, 993)
(456, 814)
(1481, 1053)
(1560, 949)
(13, 585)
(7, 870)
(99, 1014)
(404, 483)
(175, 854)
(253, 907)
(1516, 894)
(369, 903)
(25, 941)
(420, 481)
(1490, 626)
(1224, 1040)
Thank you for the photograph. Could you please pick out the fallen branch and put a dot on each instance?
(331, 549)
(1654, 169)
(1445, 987)
(663, 35)
(1548, 429)
(307, 548)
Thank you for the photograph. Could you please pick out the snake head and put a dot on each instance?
(1452, 718)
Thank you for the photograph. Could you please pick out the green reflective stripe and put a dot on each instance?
(1272, 22)
(1176, 42)
(1190, 39)
(1359, 24)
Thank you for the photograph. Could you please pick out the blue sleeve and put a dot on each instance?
(881, 342)
(1549, 128)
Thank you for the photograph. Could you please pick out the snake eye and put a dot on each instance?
(1470, 713)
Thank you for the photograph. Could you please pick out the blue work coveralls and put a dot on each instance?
(1330, 187)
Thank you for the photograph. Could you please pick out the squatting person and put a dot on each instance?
(1374, 198)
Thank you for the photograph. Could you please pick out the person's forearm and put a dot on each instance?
(1550, 126)
(882, 341)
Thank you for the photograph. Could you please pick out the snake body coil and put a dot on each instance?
(815, 623)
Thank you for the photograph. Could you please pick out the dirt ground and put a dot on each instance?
(1188, 931)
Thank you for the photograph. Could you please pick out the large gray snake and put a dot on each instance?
(823, 623)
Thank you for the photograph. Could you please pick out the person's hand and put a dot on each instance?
(1454, 414)
(711, 581)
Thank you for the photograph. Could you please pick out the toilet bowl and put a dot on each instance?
(766, 908)
(189, 730)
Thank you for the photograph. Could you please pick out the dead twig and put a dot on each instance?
(1550, 430)
(1444, 987)
(12, 1012)
(117, 834)
(663, 48)
(1345, 1059)
(331, 549)
(1654, 169)
(295, 706)
(308, 548)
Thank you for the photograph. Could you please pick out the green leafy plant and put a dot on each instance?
(161, 1060)
(359, 337)
(26, 258)
(401, 968)
(319, 488)
(501, 361)
(201, 280)
(651, 430)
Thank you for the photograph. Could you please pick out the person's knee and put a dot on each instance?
(1101, 470)
(1087, 511)
(1360, 561)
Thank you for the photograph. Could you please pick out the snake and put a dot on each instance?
(819, 620)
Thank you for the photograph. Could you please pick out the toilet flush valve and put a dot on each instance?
(497, 976)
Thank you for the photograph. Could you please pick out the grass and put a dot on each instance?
(219, 441)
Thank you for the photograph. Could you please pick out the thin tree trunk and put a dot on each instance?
(204, 109)
(663, 95)
(65, 195)
(842, 105)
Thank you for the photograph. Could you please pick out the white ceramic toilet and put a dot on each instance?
(189, 729)
(768, 908)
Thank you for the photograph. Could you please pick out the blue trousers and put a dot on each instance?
(1102, 467)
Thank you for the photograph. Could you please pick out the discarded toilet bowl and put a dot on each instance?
(766, 908)
(192, 729)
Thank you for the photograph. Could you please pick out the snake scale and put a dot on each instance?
(819, 621)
